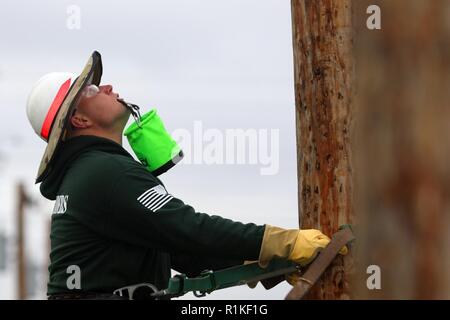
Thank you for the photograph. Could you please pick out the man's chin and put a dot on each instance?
(124, 118)
(126, 115)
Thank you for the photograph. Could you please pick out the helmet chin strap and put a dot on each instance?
(134, 110)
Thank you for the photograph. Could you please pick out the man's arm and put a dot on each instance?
(144, 214)
(141, 212)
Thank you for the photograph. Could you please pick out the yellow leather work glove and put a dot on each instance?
(308, 239)
(299, 246)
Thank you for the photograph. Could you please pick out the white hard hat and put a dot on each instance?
(45, 99)
(51, 103)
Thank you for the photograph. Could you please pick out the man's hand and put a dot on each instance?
(299, 246)
(309, 242)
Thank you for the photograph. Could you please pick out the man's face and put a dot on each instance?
(103, 109)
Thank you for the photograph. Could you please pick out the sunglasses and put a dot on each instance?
(90, 91)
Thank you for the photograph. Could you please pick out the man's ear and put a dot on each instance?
(80, 121)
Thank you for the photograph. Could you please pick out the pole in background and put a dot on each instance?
(22, 201)
(404, 150)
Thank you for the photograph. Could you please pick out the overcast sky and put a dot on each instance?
(227, 64)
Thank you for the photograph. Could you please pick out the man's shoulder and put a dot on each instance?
(101, 164)
(99, 157)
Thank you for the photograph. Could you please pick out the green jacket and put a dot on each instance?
(116, 224)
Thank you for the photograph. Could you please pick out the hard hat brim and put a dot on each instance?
(91, 74)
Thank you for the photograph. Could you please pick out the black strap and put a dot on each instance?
(85, 296)
(134, 109)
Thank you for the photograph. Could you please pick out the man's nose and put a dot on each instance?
(106, 89)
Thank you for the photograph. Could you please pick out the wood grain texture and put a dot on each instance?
(324, 76)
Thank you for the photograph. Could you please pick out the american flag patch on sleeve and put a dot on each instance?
(154, 198)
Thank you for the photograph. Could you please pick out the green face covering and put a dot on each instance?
(152, 144)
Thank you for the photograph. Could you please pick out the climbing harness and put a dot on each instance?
(209, 280)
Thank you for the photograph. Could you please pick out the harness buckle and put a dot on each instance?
(140, 291)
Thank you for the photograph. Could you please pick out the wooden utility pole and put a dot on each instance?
(21, 258)
(323, 67)
(403, 128)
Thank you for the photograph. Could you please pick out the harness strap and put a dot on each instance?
(209, 281)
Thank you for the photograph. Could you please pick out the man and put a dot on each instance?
(114, 223)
